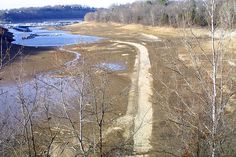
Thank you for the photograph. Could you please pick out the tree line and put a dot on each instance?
(164, 12)
(45, 13)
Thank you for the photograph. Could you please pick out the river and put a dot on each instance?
(45, 85)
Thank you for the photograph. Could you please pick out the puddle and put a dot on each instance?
(112, 66)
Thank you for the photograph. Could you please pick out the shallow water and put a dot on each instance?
(112, 66)
(49, 86)
(46, 88)
(56, 90)
(39, 37)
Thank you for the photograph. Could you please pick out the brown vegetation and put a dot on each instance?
(193, 101)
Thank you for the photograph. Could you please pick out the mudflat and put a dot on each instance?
(137, 60)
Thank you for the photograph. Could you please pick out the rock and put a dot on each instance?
(6, 35)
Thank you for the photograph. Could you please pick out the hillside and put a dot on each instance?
(45, 13)
(165, 12)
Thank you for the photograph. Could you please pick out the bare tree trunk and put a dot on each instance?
(25, 123)
(81, 110)
(214, 76)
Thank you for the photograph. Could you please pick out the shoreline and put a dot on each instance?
(138, 91)
(33, 61)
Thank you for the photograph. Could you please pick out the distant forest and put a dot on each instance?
(45, 13)
(166, 12)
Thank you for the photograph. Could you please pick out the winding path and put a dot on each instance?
(75, 60)
(140, 103)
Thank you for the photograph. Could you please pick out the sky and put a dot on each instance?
(9, 4)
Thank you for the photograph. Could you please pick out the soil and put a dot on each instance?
(140, 83)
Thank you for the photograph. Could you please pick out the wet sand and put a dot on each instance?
(30, 62)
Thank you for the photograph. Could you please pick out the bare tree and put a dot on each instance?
(201, 91)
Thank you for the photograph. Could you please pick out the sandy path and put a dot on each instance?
(140, 105)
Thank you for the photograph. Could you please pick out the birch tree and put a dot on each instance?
(200, 96)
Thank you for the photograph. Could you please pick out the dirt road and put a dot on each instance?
(140, 103)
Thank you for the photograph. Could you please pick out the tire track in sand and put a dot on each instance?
(140, 103)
